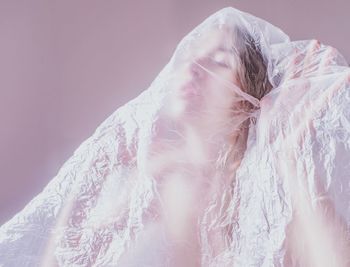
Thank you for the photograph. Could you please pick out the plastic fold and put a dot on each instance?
(236, 155)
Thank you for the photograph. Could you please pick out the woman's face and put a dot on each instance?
(201, 82)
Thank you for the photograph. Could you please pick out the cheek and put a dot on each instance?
(218, 98)
(229, 75)
(219, 87)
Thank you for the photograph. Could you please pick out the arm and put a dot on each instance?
(316, 236)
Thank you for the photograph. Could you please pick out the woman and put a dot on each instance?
(215, 164)
(205, 116)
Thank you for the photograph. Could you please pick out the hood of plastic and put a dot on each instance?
(186, 175)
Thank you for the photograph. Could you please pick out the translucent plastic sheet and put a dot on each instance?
(236, 155)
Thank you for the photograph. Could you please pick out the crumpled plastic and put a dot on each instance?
(216, 164)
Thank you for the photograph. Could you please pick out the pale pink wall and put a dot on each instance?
(66, 65)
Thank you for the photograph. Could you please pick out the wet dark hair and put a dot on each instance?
(253, 71)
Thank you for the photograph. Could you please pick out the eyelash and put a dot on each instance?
(222, 63)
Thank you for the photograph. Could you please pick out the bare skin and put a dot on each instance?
(199, 113)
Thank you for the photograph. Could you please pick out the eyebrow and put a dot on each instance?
(224, 49)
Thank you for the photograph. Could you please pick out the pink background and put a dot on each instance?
(65, 66)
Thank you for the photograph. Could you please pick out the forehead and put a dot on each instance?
(212, 40)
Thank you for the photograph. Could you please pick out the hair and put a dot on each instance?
(253, 70)
(253, 78)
